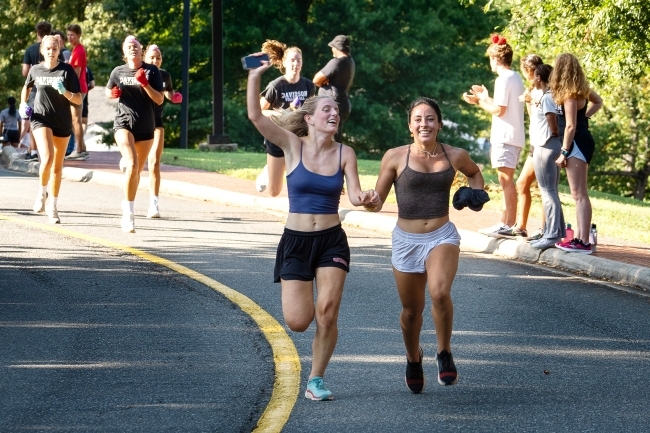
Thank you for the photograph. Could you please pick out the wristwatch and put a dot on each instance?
(565, 153)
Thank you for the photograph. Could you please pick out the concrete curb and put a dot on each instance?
(470, 241)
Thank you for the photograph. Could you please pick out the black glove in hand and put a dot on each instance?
(471, 198)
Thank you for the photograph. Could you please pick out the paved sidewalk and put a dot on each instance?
(615, 260)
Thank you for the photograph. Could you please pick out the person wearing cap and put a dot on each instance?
(139, 88)
(335, 79)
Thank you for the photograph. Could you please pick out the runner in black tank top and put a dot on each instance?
(425, 242)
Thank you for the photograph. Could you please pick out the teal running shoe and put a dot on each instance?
(316, 390)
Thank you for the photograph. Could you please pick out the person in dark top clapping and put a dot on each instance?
(425, 243)
(57, 86)
(335, 79)
(139, 87)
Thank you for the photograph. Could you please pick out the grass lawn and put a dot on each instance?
(615, 216)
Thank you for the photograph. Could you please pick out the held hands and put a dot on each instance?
(25, 110)
(561, 161)
(58, 85)
(141, 76)
(370, 199)
(116, 92)
(177, 98)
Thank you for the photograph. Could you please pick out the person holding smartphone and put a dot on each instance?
(153, 56)
(139, 87)
(57, 87)
(288, 91)
(313, 247)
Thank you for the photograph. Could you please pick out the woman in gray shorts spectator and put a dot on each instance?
(425, 242)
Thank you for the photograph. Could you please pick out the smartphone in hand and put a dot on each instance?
(253, 62)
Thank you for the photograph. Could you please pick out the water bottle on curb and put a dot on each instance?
(570, 235)
(593, 238)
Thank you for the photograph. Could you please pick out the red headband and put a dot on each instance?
(499, 40)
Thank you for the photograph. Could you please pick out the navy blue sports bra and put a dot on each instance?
(312, 193)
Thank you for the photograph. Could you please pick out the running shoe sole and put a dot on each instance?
(311, 396)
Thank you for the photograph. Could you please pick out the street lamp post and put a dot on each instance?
(217, 136)
(185, 67)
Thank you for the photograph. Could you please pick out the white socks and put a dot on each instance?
(128, 207)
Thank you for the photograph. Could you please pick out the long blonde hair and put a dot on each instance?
(568, 80)
(277, 52)
(294, 121)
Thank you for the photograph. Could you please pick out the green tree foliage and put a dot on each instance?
(402, 48)
(612, 40)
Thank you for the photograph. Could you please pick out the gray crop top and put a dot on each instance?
(423, 195)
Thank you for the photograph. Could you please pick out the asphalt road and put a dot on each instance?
(96, 339)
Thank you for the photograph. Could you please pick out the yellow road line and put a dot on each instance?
(285, 355)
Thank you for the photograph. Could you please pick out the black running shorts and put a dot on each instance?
(301, 253)
(273, 149)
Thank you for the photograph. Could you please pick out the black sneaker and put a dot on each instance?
(415, 376)
(30, 157)
(447, 373)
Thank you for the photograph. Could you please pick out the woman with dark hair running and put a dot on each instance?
(288, 91)
(153, 56)
(57, 86)
(139, 87)
(314, 247)
(10, 123)
(425, 243)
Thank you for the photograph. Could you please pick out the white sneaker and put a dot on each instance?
(153, 211)
(39, 204)
(76, 156)
(122, 165)
(493, 231)
(263, 179)
(128, 223)
(53, 215)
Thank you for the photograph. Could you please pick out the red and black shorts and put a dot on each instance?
(301, 253)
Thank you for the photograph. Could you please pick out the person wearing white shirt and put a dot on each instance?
(507, 137)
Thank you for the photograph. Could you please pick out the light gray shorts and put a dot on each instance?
(575, 153)
(504, 155)
(411, 250)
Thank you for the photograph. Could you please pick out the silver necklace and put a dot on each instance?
(431, 154)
